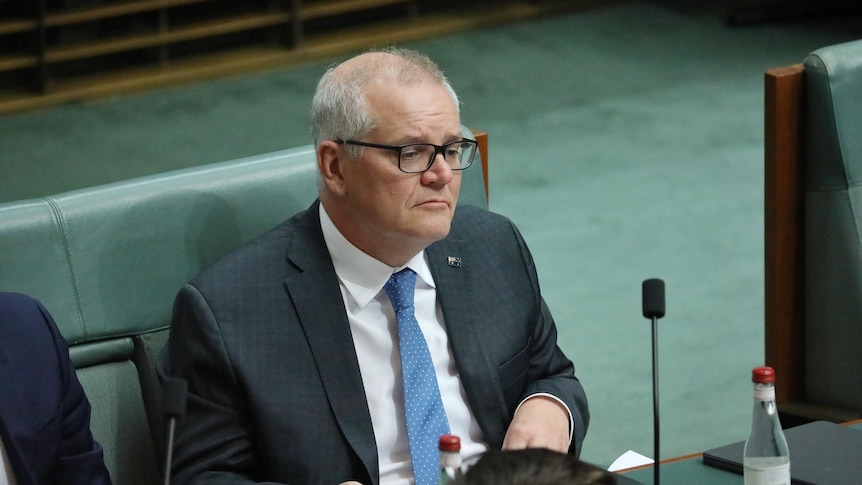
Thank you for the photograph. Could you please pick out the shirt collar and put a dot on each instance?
(362, 275)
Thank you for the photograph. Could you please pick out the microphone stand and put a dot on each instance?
(655, 401)
(174, 391)
(172, 424)
(653, 309)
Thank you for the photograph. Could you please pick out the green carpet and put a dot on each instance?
(626, 142)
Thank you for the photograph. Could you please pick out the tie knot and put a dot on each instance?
(400, 289)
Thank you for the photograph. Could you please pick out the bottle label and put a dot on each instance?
(450, 460)
(767, 475)
(764, 393)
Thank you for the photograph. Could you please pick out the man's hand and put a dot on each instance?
(540, 422)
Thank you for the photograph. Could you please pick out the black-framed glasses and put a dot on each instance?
(418, 157)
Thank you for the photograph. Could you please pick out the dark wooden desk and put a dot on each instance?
(686, 469)
(691, 469)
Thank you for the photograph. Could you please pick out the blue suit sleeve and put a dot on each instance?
(46, 414)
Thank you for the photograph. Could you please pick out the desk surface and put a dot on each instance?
(691, 469)
(688, 470)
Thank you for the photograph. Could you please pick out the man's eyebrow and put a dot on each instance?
(454, 138)
(411, 140)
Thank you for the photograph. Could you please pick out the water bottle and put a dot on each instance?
(450, 458)
(766, 459)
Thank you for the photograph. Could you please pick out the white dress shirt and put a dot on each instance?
(375, 337)
(7, 477)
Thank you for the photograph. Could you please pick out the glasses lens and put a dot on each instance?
(414, 158)
(460, 154)
(420, 157)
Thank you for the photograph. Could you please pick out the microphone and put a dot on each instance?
(653, 298)
(653, 309)
(174, 392)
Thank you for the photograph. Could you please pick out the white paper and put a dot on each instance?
(630, 459)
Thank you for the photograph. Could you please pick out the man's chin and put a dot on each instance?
(436, 231)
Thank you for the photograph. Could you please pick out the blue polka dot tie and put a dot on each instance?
(423, 407)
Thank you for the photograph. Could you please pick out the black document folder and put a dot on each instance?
(821, 453)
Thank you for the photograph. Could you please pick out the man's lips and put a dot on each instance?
(434, 203)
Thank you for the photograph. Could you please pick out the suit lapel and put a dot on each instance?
(458, 287)
(317, 299)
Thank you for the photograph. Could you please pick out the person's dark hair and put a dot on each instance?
(533, 466)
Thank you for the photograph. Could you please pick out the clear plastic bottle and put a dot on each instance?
(766, 459)
(450, 458)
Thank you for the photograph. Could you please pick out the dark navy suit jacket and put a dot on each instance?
(44, 413)
(275, 391)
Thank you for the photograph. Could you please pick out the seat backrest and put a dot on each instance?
(833, 225)
(814, 232)
(107, 262)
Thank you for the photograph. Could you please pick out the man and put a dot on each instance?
(44, 415)
(290, 345)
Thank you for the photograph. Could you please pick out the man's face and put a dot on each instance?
(394, 209)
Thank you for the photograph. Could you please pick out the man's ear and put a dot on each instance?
(330, 156)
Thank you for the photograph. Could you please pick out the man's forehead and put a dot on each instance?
(395, 101)
(370, 65)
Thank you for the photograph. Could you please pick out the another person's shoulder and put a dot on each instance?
(25, 321)
(19, 305)
(8, 298)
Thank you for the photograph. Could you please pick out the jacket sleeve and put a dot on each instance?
(214, 442)
(81, 458)
(53, 413)
(550, 371)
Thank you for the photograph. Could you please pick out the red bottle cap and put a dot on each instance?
(763, 375)
(450, 442)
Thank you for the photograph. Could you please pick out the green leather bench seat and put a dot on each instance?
(110, 378)
(833, 226)
(107, 262)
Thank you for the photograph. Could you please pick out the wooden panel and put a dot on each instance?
(482, 139)
(11, 63)
(117, 82)
(200, 31)
(15, 26)
(112, 10)
(339, 7)
(783, 226)
(37, 83)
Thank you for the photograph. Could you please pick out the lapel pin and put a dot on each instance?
(454, 262)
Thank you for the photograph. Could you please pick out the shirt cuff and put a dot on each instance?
(555, 398)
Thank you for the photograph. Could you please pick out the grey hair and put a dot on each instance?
(338, 110)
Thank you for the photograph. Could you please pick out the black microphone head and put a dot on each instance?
(174, 392)
(653, 298)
